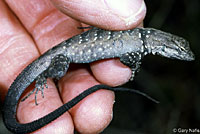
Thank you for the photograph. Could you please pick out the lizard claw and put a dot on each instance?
(41, 82)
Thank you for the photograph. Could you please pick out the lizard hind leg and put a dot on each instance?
(57, 69)
(41, 82)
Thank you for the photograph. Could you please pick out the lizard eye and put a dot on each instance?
(163, 48)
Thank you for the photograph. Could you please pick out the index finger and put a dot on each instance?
(106, 14)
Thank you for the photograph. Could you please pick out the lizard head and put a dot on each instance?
(171, 46)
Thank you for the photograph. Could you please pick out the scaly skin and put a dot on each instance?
(129, 46)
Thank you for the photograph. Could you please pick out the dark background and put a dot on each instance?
(176, 84)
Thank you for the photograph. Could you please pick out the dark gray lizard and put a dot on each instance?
(129, 46)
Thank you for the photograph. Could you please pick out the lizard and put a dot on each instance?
(129, 46)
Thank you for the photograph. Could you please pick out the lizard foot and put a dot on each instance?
(41, 81)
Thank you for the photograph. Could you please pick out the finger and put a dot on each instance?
(94, 113)
(28, 111)
(107, 14)
(111, 72)
(43, 31)
(45, 23)
(17, 49)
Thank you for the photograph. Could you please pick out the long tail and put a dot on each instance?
(23, 80)
(32, 126)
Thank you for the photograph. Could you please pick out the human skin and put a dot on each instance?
(29, 28)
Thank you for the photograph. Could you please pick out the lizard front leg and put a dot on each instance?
(57, 69)
(132, 60)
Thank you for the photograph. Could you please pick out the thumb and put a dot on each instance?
(108, 14)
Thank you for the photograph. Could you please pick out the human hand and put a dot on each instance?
(42, 27)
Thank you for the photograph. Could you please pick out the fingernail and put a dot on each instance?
(127, 8)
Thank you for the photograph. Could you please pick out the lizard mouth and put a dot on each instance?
(189, 56)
